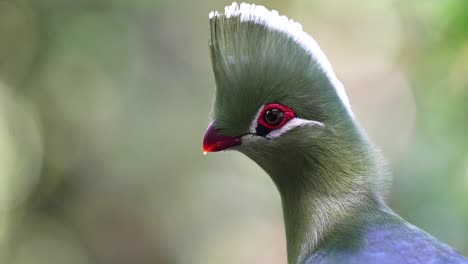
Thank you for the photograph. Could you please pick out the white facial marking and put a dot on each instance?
(271, 19)
(254, 124)
(293, 123)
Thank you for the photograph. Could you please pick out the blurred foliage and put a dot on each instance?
(103, 105)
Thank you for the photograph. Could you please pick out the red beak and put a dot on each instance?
(212, 141)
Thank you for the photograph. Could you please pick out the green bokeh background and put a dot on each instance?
(103, 105)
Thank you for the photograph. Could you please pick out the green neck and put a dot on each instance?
(310, 216)
(320, 186)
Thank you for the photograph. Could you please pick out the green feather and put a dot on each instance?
(330, 178)
(254, 65)
(322, 174)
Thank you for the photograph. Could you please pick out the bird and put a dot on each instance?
(278, 101)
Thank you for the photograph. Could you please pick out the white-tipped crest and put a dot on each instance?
(261, 15)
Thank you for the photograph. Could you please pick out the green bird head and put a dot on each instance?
(279, 102)
(277, 98)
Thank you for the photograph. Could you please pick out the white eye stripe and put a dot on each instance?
(254, 124)
(293, 123)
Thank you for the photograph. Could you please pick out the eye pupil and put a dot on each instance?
(273, 116)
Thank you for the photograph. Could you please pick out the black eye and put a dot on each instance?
(273, 117)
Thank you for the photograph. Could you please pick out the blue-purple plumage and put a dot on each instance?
(385, 238)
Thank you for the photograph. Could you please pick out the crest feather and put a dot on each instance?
(272, 20)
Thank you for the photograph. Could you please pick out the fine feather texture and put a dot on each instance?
(330, 176)
(384, 238)
(260, 57)
(256, 64)
(260, 15)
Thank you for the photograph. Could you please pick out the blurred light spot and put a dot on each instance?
(20, 152)
(459, 75)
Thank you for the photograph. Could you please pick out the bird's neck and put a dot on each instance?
(309, 217)
(321, 197)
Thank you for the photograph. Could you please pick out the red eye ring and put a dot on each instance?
(286, 112)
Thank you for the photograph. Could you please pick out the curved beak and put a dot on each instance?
(212, 141)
